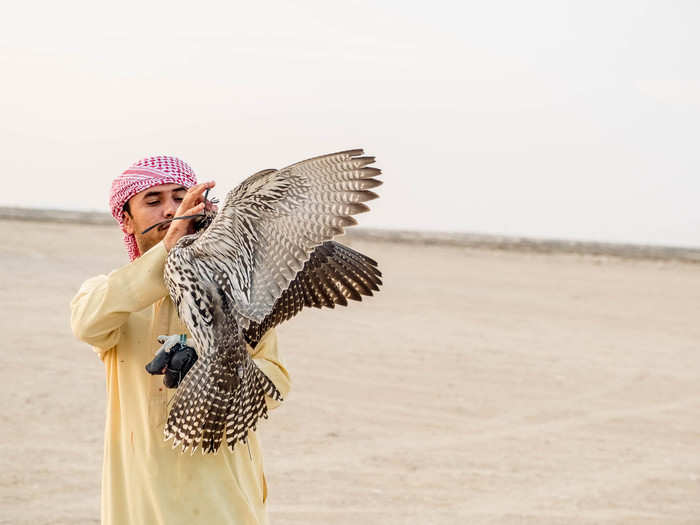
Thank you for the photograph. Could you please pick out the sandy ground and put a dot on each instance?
(478, 387)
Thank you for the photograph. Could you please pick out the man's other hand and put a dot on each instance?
(192, 204)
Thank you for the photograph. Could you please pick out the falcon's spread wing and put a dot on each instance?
(264, 256)
(333, 274)
(270, 224)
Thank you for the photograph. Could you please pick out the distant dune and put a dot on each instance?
(468, 240)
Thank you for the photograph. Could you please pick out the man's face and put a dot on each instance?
(150, 207)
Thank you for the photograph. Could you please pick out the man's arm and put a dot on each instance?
(266, 358)
(103, 303)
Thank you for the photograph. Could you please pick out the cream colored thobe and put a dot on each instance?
(145, 481)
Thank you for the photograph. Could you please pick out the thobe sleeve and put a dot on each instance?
(103, 304)
(266, 357)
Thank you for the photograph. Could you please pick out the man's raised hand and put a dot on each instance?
(192, 204)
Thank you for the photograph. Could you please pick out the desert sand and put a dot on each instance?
(479, 386)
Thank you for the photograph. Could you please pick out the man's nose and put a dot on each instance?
(171, 208)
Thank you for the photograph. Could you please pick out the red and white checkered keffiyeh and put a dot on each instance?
(142, 175)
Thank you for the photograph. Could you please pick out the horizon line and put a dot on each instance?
(444, 238)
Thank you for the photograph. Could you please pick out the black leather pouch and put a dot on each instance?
(174, 365)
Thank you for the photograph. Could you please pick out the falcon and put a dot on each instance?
(264, 256)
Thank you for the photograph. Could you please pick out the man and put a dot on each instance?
(145, 481)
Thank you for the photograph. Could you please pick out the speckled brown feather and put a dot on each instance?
(333, 274)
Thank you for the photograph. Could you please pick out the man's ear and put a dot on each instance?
(128, 222)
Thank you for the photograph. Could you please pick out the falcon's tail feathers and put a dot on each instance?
(198, 414)
(204, 398)
(204, 406)
(249, 404)
(224, 390)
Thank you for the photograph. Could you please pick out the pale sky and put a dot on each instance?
(574, 120)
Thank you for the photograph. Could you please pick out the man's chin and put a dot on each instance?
(154, 238)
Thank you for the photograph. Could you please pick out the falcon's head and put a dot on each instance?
(206, 219)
